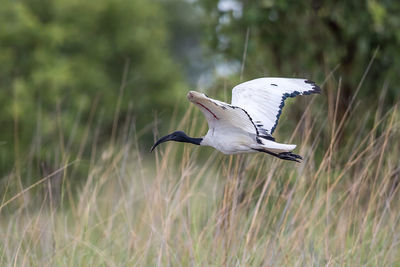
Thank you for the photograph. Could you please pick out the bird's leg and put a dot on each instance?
(290, 154)
(284, 155)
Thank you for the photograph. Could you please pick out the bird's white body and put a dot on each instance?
(241, 143)
(236, 142)
(246, 125)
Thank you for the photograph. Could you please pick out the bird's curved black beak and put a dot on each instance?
(161, 140)
(177, 136)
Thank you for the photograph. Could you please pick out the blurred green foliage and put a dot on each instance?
(62, 62)
(311, 38)
(60, 59)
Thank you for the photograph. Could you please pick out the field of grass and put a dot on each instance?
(189, 206)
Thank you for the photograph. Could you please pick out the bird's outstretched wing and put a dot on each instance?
(264, 98)
(221, 115)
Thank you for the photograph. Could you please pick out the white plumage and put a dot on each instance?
(247, 124)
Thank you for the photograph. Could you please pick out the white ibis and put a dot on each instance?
(247, 124)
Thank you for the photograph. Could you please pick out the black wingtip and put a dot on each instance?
(315, 88)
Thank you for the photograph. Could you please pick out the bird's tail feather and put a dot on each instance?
(275, 147)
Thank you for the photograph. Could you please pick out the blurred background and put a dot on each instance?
(73, 70)
(86, 87)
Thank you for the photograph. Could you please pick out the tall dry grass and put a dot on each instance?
(191, 206)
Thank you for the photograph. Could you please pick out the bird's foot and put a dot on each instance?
(289, 156)
(284, 155)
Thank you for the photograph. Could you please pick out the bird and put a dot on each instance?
(247, 124)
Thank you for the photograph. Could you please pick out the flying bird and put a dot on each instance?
(247, 124)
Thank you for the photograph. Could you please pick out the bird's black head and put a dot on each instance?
(177, 136)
